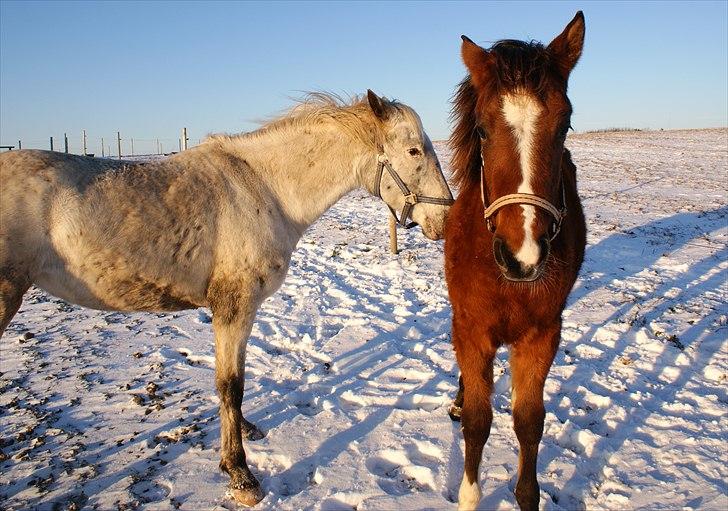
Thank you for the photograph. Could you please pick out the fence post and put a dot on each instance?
(132, 147)
(51, 143)
(102, 147)
(118, 143)
(392, 235)
(65, 143)
(184, 139)
(20, 145)
(84, 142)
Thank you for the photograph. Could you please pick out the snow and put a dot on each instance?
(350, 369)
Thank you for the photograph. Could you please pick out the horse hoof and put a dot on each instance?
(252, 432)
(455, 412)
(248, 497)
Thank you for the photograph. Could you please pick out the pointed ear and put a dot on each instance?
(567, 47)
(377, 105)
(476, 59)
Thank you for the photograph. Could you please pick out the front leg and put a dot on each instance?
(232, 321)
(475, 353)
(531, 359)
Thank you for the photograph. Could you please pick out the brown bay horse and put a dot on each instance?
(515, 237)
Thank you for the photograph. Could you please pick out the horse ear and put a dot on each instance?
(377, 105)
(476, 59)
(568, 45)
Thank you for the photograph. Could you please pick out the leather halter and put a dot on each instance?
(410, 199)
(522, 198)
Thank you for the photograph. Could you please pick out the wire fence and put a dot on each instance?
(115, 145)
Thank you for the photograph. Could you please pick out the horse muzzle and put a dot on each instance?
(515, 270)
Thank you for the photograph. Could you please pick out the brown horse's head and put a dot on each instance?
(520, 117)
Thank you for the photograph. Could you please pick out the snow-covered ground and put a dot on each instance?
(350, 369)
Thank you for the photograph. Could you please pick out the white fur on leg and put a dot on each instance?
(469, 495)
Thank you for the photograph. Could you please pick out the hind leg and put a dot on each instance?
(475, 354)
(530, 359)
(12, 289)
(456, 409)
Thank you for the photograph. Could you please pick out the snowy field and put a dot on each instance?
(350, 368)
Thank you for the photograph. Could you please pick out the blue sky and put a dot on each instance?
(148, 69)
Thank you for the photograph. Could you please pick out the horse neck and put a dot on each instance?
(308, 169)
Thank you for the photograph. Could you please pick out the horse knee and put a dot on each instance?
(528, 423)
(476, 419)
(230, 391)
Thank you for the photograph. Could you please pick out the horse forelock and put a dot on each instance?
(522, 65)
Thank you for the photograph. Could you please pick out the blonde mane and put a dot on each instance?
(354, 116)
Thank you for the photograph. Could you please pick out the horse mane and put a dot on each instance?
(354, 116)
(464, 141)
(518, 65)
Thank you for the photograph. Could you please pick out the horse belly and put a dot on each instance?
(77, 271)
(125, 292)
(65, 286)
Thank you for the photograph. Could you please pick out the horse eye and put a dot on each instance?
(480, 131)
(414, 152)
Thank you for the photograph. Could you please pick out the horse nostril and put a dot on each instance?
(504, 257)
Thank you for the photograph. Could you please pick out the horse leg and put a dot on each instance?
(530, 360)
(232, 323)
(12, 289)
(477, 414)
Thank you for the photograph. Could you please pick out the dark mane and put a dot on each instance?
(464, 142)
(518, 65)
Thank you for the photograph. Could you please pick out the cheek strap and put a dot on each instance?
(522, 198)
(410, 199)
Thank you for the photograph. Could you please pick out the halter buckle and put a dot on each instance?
(489, 224)
(410, 199)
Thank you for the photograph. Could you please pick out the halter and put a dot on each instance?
(522, 198)
(410, 199)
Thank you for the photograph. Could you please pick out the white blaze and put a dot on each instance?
(522, 112)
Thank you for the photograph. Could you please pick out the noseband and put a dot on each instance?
(410, 199)
(522, 198)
